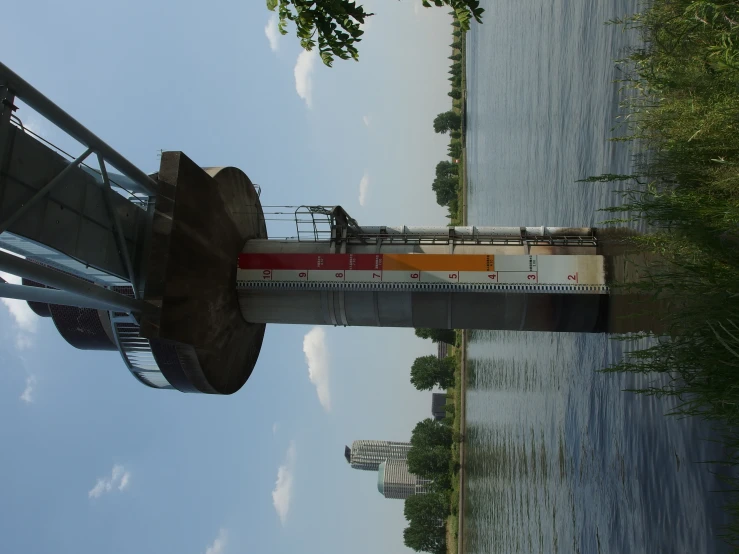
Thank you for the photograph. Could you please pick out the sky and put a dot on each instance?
(92, 461)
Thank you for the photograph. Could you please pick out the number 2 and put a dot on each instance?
(572, 277)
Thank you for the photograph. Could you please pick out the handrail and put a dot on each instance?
(36, 100)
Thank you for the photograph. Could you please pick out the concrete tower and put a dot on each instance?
(395, 481)
(368, 455)
(175, 271)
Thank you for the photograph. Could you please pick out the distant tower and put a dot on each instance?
(368, 455)
(438, 401)
(442, 350)
(176, 272)
(395, 481)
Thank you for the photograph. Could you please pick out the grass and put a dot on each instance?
(682, 111)
(454, 396)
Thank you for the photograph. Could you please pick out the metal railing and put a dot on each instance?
(136, 352)
(13, 86)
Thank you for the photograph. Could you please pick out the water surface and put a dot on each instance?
(560, 459)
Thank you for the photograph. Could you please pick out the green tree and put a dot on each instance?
(456, 45)
(445, 189)
(447, 169)
(455, 149)
(457, 34)
(429, 371)
(455, 69)
(446, 121)
(429, 462)
(456, 57)
(335, 25)
(456, 93)
(430, 433)
(437, 335)
(425, 513)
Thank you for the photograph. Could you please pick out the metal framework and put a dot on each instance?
(73, 291)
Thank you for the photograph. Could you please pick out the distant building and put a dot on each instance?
(395, 481)
(438, 401)
(443, 350)
(368, 455)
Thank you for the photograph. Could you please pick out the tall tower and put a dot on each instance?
(395, 481)
(175, 270)
(368, 455)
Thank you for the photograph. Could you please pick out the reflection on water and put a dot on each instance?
(561, 459)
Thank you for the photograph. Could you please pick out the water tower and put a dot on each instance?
(176, 272)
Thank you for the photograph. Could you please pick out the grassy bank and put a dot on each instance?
(454, 396)
(682, 111)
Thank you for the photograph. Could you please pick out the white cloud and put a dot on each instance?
(275, 427)
(273, 33)
(316, 356)
(364, 188)
(219, 544)
(119, 479)
(304, 68)
(282, 494)
(25, 320)
(27, 395)
(367, 120)
(125, 480)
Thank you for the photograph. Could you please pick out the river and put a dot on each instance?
(559, 457)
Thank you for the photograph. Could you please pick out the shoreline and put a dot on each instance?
(463, 346)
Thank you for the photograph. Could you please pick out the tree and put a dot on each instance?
(335, 25)
(422, 538)
(456, 93)
(455, 69)
(446, 121)
(456, 45)
(456, 57)
(420, 507)
(425, 514)
(437, 335)
(428, 372)
(446, 169)
(431, 462)
(429, 433)
(445, 189)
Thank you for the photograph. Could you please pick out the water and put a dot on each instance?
(560, 459)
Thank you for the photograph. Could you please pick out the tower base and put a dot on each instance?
(202, 219)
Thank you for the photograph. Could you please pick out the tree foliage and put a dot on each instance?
(447, 121)
(430, 433)
(456, 93)
(445, 189)
(437, 335)
(335, 25)
(425, 514)
(430, 462)
(428, 372)
(447, 169)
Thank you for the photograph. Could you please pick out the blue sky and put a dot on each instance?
(94, 462)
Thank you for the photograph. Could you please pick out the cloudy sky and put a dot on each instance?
(94, 462)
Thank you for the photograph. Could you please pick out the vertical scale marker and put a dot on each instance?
(579, 273)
